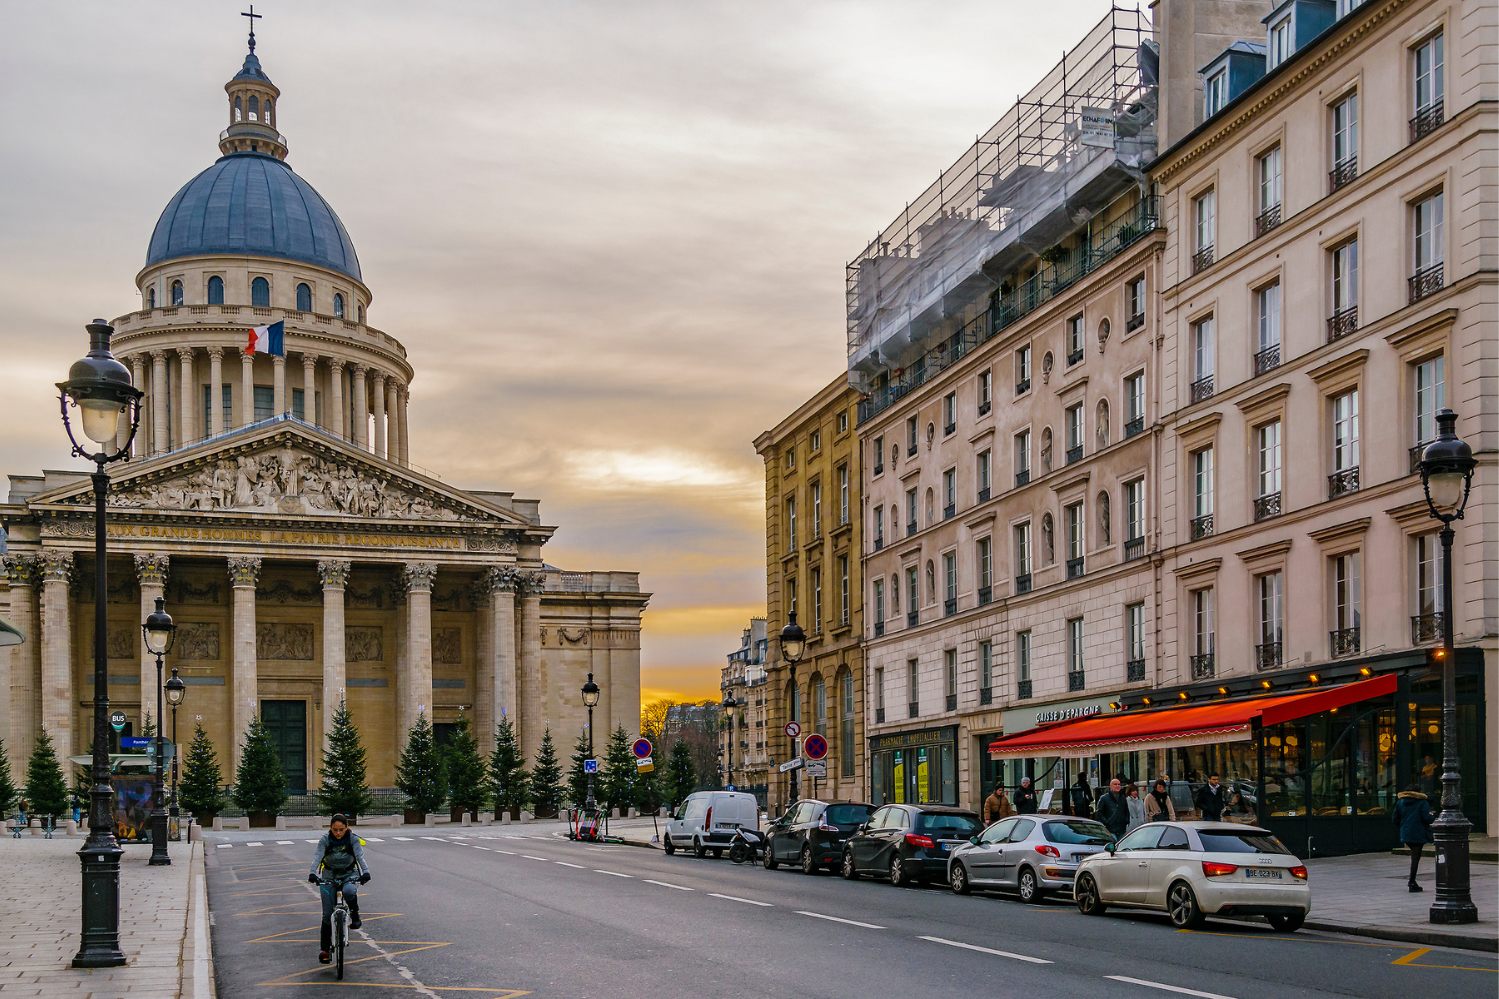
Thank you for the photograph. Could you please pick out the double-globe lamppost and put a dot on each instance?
(160, 633)
(793, 647)
(728, 706)
(98, 386)
(1447, 466)
(176, 692)
(590, 701)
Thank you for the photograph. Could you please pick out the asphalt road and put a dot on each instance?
(499, 914)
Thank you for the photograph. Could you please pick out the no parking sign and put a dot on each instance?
(814, 747)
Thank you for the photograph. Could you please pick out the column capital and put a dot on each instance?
(246, 358)
(334, 573)
(360, 370)
(215, 353)
(378, 376)
(186, 353)
(159, 356)
(418, 576)
(56, 566)
(336, 364)
(278, 359)
(529, 582)
(499, 579)
(151, 568)
(309, 360)
(243, 572)
(22, 570)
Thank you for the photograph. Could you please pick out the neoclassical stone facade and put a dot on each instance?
(303, 559)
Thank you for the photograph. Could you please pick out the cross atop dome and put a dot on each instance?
(253, 17)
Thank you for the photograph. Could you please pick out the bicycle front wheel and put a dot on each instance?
(340, 935)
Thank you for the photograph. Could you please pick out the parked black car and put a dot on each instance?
(909, 843)
(811, 834)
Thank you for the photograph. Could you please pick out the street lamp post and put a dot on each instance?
(793, 646)
(98, 386)
(590, 699)
(1447, 466)
(159, 632)
(176, 691)
(728, 709)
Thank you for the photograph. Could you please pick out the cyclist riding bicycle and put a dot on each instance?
(339, 854)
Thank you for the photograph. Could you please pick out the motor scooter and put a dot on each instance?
(746, 846)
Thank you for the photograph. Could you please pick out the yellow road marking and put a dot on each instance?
(276, 937)
(428, 945)
(1270, 934)
(1410, 961)
(1407, 959)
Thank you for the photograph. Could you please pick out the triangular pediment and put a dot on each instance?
(285, 469)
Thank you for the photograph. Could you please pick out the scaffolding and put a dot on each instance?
(1067, 148)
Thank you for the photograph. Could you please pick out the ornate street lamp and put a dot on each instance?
(176, 691)
(1447, 477)
(98, 386)
(793, 646)
(590, 699)
(728, 706)
(159, 632)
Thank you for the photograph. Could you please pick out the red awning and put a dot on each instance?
(1188, 725)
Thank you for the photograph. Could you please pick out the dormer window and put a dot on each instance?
(1214, 93)
(1280, 44)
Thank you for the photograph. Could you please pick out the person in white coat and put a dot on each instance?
(1136, 808)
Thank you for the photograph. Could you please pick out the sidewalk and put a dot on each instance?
(1366, 895)
(160, 909)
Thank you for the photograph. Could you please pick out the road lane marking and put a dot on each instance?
(529, 857)
(838, 919)
(309, 841)
(403, 839)
(508, 853)
(736, 898)
(612, 874)
(1407, 959)
(986, 950)
(224, 846)
(284, 842)
(254, 844)
(1168, 988)
(483, 848)
(664, 884)
(566, 864)
(435, 839)
(367, 839)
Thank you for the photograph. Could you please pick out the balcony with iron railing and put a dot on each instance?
(879, 629)
(949, 606)
(1266, 220)
(1075, 681)
(1344, 642)
(1202, 388)
(1134, 671)
(1202, 259)
(1074, 567)
(1022, 583)
(1074, 454)
(1134, 322)
(1267, 655)
(910, 528)
(913, 618)
(1203, 666)
(1416, 452)
(1201, 527)
(1022, 477)
(1267, 506)
(1134, 548)
(879, 542)
(1345, 171)
(879, 470)
(1426, 121)
(1267, 359)
(952, 702)
(1425, 282)
(1133, 427)
(986, 595)
(1023, 690)
(986, 695)
(984, 495)
(949, 429)
(984, 408)
(1342, 482)
(879, 716)
(950, 511)
(1022, 386)
(1426, 628)
(913, 710)
(1342, 323)
(1074, 356)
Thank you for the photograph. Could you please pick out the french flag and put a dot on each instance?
(268, 340)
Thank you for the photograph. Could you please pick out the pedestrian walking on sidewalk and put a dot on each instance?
(997, 806)
(1113, 809)
(1025, 797)
(1136, 807)
(1158, 806)
(1210, 800)
(1082, 797)
(1414, 816)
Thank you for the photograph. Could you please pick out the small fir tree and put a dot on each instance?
(201, 789)
(619, 782)
(46, 789)
(577, 777)
(681, 775)
(508, 782)
(259, 783)
(466, 771)
(148, 727)
(9, 793)
(344, 773)
(420, 775)
(546, 777)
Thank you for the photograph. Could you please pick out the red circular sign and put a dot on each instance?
(814, 747)
(642, 748)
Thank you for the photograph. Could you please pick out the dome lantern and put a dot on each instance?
(252, 109)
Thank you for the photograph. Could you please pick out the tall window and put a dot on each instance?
(176, 292)
(1074, 339)
(879, 692)
(1267, 301)
(1272, 611)
(816, 599)
(950, 413)
(986, 665)
(843, 589)
(1268, 175)
(1075, 531)
(819, 707)
(1023, 661)
(1134, 632)
(265, 402)
(950, 677)
(791, 595)
(791, 524)
(1074, 432)
(843, 494)
(1022, 456)
(1431, 397)
(985, 559)
(949, 493)
(879, 528)
(985, 482)
(1428, 232)
(304, 298)
(1268, 442)
(790, 458)
(913, 688)
(215, 290)
(1075, 646)
(816, 441)
(846, 748)
(338, 305)
(1202, 350)
(879, 605)
(1204, 637)
(254, 108)
(1214, 93)
(260, 292)
(1280, 44)
(879, 455)
(910, 511)
(1429, 575)
(1428, 75)
(1203, 220)
(1023, 369)
(226, 402)
(1023, 549)
(1135, 292)
(1345, 592)
(986, 390)
(1202, 483)
(913, 594)
(298, 404)
(910, 435)
(796, 703)
(1345, 431)
(1345, 132)
(1134, 404)
(816, 510)
(1345, 277)
(1134, 510)
(950, 583)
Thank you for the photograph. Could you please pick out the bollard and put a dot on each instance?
(429, 820)
(505, 818)
(467, 820)
(218, 824)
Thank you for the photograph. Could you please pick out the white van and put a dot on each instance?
(706, 820)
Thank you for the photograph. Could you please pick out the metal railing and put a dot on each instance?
(1416, 453)
(986, 594)
(1201, 527)
(949, 606)
(952, 702)
(1426, 121)
(1203, 666)
(1343, 172)
(1135, 322)
(913, 618)
(1073, 356)
(1267, 359)
(1134, 548)
(1202, 259)
(1342, 482)
(910, 528)
(1344, 642)
(1075, 681)
(950, 511)
(1074, 454)
(1267, 506)
(879, 629)
(1074, 567)
(1426, 281)
(1022, 477)
(1022, 583)
(949, 430)
(1342, 323)
(986, 695)
(1266, 220)
(1202, 388)
(1023, 690)
(984, 495)
(1134, 671)
(1133, 427)
(1267, 655)
(879, 543)
(1426, 628)
(879, 716)
(1023, 386)
(913, 710)
(984, 409)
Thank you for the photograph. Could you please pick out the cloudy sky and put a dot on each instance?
(611, 235)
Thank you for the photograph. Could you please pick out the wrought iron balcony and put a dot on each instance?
(1342, 322)
(1201, 527)
(1203, 666)
(1023, 690)
(913, 618)
(913, 710)
(1202, 259)
(1134, 548)
(1023, 583)
(879, 470)
(1022, 477)
(1135, 322)
(950, 511)
(879, 629)
(949, 429)
(910, 450)
(1267, 506)
(952, 702)
(1266, 220)
(1202, 388)
(910, 528)
(1343, 482)
(1074, 567)
(1074, 454)
(1344, 642)
(1023, 386)
(1075, 681)
(1343, 172)
(986, 695)
(1426, 281)
(1426, 628)
(986, 595)
(949, 606)
(879, 716)
(984, 409)
(1134, 671)
(1073, 356)
(1267, 359)
(1267, 655)
(1133, 427)
(1426, 121)
(984, 495)
(879, 542)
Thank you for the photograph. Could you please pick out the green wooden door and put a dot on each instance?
(286, 721)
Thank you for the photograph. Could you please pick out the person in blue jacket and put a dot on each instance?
(1413, 814)
(338, 854)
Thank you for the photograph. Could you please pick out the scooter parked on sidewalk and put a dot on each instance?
(747, 846)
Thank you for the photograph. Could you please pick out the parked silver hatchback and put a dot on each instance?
(1029, 854)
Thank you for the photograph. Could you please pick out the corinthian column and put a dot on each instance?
(336, 395)
(405, 427)
(137, 378)
(25, 662)
(309, 389)
(243, 572)
(393, 419)
(246, 389)
(378, 394)
(57, 651)
(335, 576)
(279, 404)
(361, 407)
(188, 396)
(151, 572)
(215, 390)
(496, 649)
(418, 577)
(533, 701)
(159, 392)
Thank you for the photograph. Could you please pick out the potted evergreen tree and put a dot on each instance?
(259, 783)
(509, 784)
(577, 777)
(420, 775)
(619, 772)
(201, 790)
(9, 793)
(546, 778)
(681, 775)
(343, 775)
(466, 772)
(46, 789)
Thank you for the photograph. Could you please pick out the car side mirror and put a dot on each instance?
(1110, 848)
(863, 827)
(974, 840)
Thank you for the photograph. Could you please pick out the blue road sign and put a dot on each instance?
(814, 747)
(642, 748)
(590, 766)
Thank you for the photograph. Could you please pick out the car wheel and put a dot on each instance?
(898, 876)
(1088, 902)
(850, 872)
(959, 879)
(806, 861)
(698, 849)
(666, 845)
(1181, 903)
(1030, 890)
(1287, 924)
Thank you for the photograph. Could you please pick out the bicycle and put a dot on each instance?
(340, 921)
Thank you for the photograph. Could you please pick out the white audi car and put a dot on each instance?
(1191, 870)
